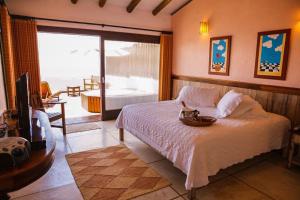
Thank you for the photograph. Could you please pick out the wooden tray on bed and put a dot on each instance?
(198, 121)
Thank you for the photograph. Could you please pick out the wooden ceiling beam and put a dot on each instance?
(181, 7)
(160, 6)
(74, 1)
(102, 3)
(131, 6)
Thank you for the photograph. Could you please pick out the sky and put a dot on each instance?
(272, 48)
(219, 48)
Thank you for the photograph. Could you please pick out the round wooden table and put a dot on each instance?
(39, 163)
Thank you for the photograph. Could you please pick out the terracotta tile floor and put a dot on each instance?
(262, 178)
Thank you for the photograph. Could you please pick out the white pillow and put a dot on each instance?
(229, 102)
(245, 106)
(198, 96)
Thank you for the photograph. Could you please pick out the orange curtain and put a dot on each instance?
(8, 57)
(165, 69)
(26, 52)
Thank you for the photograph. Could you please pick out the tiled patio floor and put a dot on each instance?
(72, 107)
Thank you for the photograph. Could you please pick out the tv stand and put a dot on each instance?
(39, 163)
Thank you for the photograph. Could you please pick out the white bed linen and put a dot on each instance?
(202, 151)
(117, 98)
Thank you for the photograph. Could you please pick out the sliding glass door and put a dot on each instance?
(111, 69)
(130, 73)
(70, 68)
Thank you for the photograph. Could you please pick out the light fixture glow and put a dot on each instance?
(203, 27)
(297, 26)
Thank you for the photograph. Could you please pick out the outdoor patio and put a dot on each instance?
(73, 107)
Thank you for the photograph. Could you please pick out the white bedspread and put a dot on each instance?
(202, 151)
(117, 98)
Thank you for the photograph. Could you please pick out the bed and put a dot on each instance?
(115, 98)
(202, 152)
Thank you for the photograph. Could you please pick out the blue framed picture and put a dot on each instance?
(219, 55)
(272, 54)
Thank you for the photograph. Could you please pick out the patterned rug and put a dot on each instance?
(74, 128)
(78, 120)
(113, 173)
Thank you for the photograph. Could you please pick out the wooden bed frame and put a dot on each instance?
(276, 99)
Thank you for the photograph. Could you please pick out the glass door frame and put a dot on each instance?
(124, 37)
(73, 31)
(104, 35)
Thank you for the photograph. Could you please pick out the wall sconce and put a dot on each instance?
(203, 27)
(297, 26)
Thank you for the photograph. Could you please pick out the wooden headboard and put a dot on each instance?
(280, 100)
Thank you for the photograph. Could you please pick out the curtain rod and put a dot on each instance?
(89, 23)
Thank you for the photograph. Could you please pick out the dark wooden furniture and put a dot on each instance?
(38, 104)
(39, 163)
(73, 91)
(294, 147)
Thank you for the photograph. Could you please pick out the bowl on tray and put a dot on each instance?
(193, 118)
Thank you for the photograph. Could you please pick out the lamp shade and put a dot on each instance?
(203, 27)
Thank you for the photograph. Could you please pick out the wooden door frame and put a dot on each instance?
(3, 66)
(71, 31)
(124, 37)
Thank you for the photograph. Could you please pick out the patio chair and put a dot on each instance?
(38, 104)
(46, 91)
(92, 83)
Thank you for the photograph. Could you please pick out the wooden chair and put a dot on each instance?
(46, 91)
(38, 104)
(92, 83)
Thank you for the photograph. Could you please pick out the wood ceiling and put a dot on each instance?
(133, 3)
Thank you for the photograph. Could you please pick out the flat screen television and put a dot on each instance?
(23, 106)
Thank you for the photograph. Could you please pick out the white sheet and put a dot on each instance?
(117, 98)
(203, 151)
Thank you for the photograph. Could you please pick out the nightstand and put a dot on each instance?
(294, 147)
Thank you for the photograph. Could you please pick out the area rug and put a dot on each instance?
(74, 128)
(78, 120)
(113, 173)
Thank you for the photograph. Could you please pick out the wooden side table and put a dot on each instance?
(73, 91)
(294, 147)
(39, 163)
